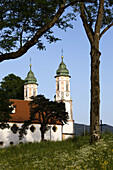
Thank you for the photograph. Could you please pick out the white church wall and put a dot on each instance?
(33, 136)
(67, 136)
(68, 109)
(69, 127)
(54, 136)
(7, 137)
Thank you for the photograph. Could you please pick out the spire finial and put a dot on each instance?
(62, 54)
(30, 64)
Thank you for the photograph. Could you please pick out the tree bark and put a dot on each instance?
(42, 129)
(42, 136)
(94, 37)
(95, 92)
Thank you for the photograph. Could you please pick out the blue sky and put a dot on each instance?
(76, 49)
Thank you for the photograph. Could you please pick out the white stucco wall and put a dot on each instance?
(7, 136)
(69, 127)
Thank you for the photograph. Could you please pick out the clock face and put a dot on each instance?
(67, 94)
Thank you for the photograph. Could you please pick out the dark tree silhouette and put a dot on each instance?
(44, 112)
(24, 22)
(6, 109)
(14, 86)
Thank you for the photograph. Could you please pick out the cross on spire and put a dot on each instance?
(30, 64)
(62, 54)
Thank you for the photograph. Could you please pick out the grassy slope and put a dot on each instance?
(75, 153)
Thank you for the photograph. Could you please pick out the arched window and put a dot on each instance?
(26, 92)
(58, 85)
(67, 86)
(62, 95)
(34, 92)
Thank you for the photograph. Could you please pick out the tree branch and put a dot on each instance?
(109, 26)
(87, 27)
(74, 2)
(23, 49)
(33, 40)
(99, 17)
(21, 36)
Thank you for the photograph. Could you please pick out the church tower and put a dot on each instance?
(63, 94)
(30, 85)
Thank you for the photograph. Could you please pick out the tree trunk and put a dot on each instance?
(93, 34)
(42, 129)
(42, 136)
(95, 93)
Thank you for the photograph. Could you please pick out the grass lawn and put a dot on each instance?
(74, 153)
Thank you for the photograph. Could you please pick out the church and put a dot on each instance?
(56, 132)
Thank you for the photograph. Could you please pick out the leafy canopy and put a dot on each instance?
(24, 22)
(13, 86)
(5, 109)
(44, 112)
(21, 19)
(90, 14)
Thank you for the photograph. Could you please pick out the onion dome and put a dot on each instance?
(62, 70)
(30, 79)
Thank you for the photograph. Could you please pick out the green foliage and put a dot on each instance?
(75, 153)
(45, 112)
(13, 86)
(5, 109)
(21, 19)
(108, 13)
(91, 11)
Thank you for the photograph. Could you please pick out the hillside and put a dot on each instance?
(74, 153)
(80, 128)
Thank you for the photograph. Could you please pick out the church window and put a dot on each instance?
(26, 92)
(20, 142)
(57, 85)
(13, 108)
(34, 92)
(14, 128)
(62, 85)
(62, 95)
(32, 128)
(11, 143)
(31, 91)
(1, 143)
(54, 128)
(67, 86)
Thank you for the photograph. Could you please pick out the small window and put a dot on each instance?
(20, 142)
(62, 95)
(26, 92)
(67, 86)
(1, 143)
(34, 92)
(57, 85)
(54, 128)
(32, 128)
(11, 143)
(13, 107)
(14, 128)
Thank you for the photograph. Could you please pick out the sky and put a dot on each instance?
(76, 52)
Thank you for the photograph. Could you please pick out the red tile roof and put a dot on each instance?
(22, 111)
